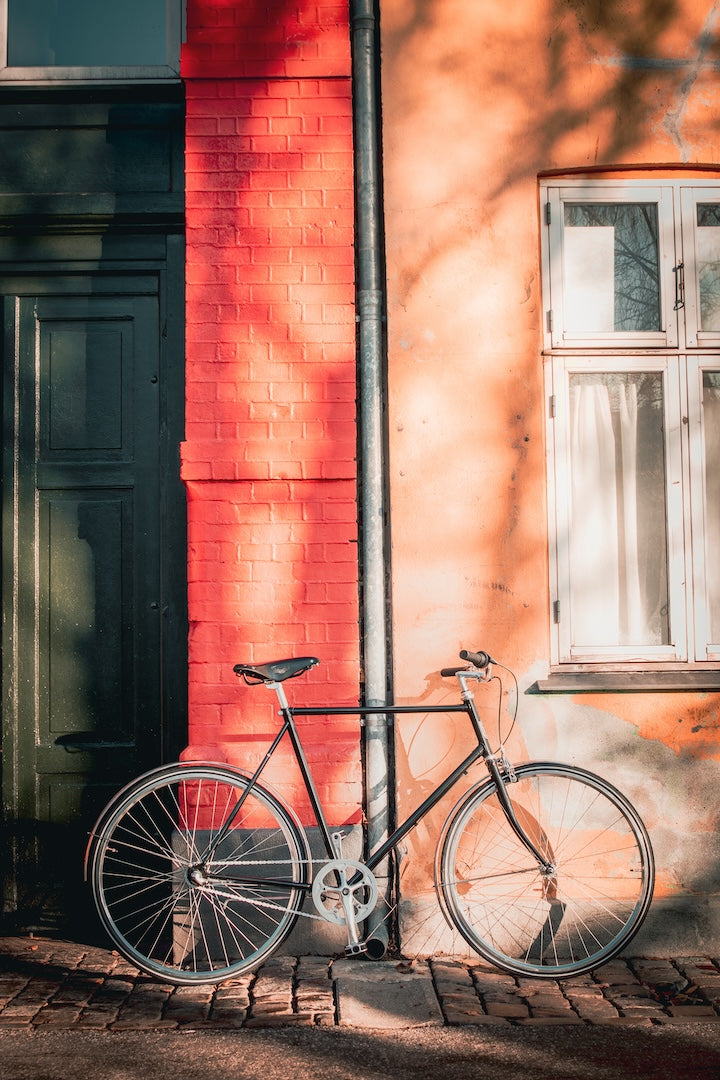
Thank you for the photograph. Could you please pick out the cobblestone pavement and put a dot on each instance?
(47, 983)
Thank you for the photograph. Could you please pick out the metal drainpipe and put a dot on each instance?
(370, 310)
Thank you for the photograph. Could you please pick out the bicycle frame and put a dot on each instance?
(481, 751)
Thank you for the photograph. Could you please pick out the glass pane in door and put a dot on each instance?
(618, 536)
(611, 268)
(711, 430)
(708, 264)
(87, 33)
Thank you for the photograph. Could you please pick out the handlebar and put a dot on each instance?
(479, 660)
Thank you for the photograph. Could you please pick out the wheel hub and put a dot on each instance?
(197, 875)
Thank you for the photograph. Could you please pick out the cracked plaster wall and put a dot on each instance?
(478, 99)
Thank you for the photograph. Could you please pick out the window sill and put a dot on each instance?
(576, 682)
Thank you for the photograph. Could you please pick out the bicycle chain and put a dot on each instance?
(223, 895)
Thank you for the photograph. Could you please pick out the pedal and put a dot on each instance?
(357, 948)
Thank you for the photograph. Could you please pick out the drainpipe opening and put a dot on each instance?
(377, 944)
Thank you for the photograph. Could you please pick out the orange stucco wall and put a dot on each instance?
(478, 101)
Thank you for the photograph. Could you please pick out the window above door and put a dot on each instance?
(82, 40)
(632, 340)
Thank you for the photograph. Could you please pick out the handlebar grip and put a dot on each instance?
(480, 660)
(477, 659)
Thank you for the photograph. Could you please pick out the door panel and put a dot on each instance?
(82, 596)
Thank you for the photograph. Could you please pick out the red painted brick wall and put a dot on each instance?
(269, 457)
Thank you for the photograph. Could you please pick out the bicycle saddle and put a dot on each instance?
(276, 670)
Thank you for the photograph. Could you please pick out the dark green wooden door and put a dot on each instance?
(83, 574)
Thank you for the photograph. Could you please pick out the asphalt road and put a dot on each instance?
(683, 1051)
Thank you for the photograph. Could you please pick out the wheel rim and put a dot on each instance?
(178, 906)
(571, 918)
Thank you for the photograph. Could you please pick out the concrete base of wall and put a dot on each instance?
(680, 926)
(677, 926)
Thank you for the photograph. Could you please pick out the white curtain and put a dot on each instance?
(610, 557)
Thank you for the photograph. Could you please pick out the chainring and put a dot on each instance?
(344, 880)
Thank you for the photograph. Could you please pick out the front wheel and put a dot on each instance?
(569, 916)
(196, 879)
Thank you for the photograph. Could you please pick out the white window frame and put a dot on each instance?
(681, 352)
(611, 192)
(175, 13)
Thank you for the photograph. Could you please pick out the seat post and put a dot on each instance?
(281, 696)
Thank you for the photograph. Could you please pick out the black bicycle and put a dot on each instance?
(199, 872)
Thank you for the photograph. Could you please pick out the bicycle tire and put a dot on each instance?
(175, 912)
(548, 925)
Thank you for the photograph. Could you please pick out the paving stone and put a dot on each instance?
(459, 1017)
(559, 1011)
(229, 1012)
(593, 1008)
(282, 1004)
(187, 1004)
(385, 995)
(141, 1023)
(57, 1016)
(19, 1014)
(487, 981)
(275, 984)
(461, 997)
(544, 1000)
(91, 1021)
(629, 1021)
(597, 1015)
(279, 1020)
(237, 1000)
(687, 1012)
(507, 1009)
(450, 975)
(549, 1021)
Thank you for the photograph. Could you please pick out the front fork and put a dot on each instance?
(502, 773)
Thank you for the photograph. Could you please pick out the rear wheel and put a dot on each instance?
(570, 916)
(188, 892)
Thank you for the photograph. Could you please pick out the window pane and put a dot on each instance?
(618, 541)
(611, 277)
(708, 264)
(711, 428)
(87, 33)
